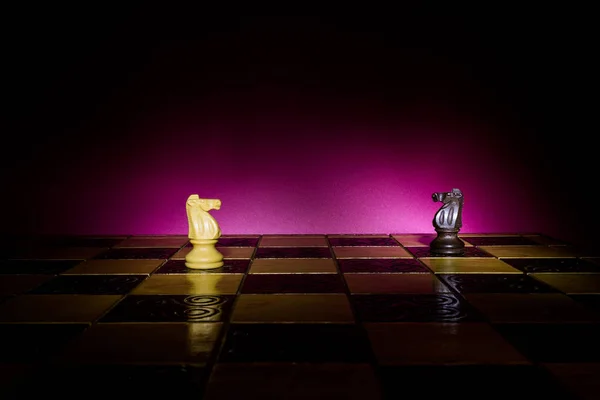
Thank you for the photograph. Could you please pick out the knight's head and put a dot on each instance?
(205, 204)
(445, 197)
(456, 193)
(210, 204)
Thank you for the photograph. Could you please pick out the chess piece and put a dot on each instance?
(447, 223)
(204, 232)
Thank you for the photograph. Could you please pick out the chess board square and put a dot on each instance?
(78, 241)
(505, 240)
(529, 251)
(495, 283)
(595, 260)
(204, 284)
(56, 308)
(57, 253)
(530, 307)
(293, 283)
(90, 284)
(395, 283)
(425, 252)
(293, 266)
(144, 343)
(571, 283)
(236, 253)
(16, 284)
(114, 267)
(414, 343)
(299, 308)
(496, 381)
(414, 240)
(114, 380)
(382, 265)
(582, 379)
(587, 252)
(26, 343)
(539, 265)
(300, 343)
(546, 240)
(293, 252)
(229, 267)
(230, 253)
(38, 267)
(135, 253)
(362, 241)
(589, 300)
(292, 381)
(236, 241)
(371, 252)
(294, 241)
(459, 265)
(441, 307)
(558, 342)
(153, 241)
(170, 308)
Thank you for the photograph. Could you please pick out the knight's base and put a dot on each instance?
(447, 243)
(204, 255)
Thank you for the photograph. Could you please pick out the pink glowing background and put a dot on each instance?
(309, 129)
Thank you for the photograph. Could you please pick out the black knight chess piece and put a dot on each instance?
(447, 223)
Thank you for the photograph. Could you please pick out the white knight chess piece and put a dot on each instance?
(204, 232)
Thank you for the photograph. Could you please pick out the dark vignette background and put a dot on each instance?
(300, 124)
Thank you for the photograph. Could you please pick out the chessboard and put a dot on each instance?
(332, 316)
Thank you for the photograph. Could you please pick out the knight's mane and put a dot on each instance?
(201, 223)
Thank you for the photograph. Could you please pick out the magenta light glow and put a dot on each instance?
(287, 177)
